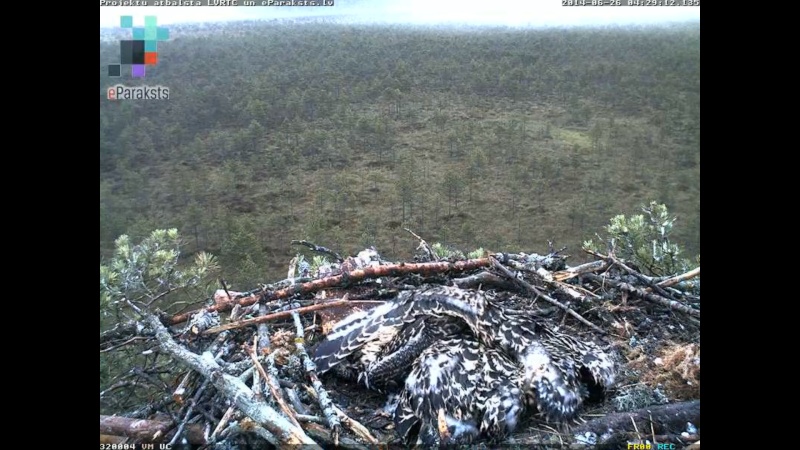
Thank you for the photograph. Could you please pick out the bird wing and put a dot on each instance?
(358, 329)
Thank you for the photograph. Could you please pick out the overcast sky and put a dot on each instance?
(475, 12)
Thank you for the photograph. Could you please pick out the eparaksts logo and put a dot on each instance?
(122, 92)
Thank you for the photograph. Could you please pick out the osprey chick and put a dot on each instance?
(477, 367)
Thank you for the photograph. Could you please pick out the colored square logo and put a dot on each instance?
(131, 52)
(137, 70)
(142, 49)
(115, 70)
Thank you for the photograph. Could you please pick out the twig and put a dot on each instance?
(533, 289)
(263, 331)
(323, 398)
(678, 278)
(665, 418)
(224, 287)
(310, 418)
(188, 414)
(563, 275)
(294, 399)
(215, 348)
(145, 430)
(273, 388)
(424, 245)
(652, 430)
(221, 425)
(135, 338)
(248, 426)
(319, 249)
(158, 297)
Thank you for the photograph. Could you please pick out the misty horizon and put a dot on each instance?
(513, 13)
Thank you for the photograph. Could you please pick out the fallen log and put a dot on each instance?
(665, 419)
(146, 431)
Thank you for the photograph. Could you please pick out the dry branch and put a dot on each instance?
(354, 425)
(180, 391)
(641, 293)
(222, 424)
(682, 277)
(273, 388)
(572, 272)
(263, 332)
(277, 315)
(423, 245)
(323, 398)
(189, 411)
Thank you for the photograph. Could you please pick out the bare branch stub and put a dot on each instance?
(319, 249)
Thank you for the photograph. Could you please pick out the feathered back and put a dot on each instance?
(459, 390)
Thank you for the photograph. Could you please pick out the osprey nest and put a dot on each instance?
(517, 350)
